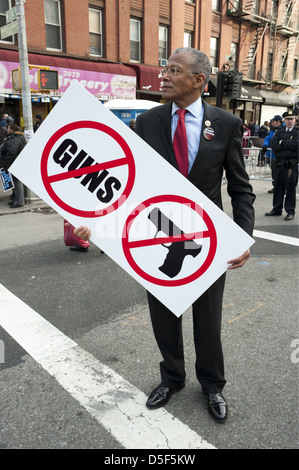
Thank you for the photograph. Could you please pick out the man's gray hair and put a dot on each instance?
(199, 62)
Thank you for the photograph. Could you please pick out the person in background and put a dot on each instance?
(3, 120)
(285, 146)
(246, 143)
(12, 146)
(3, 129)
(132, 124)
(259, 141)
(254, 128)
(275, 123)
(38, 122)
(264, 129)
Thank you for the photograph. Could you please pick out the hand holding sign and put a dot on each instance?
(83, 232)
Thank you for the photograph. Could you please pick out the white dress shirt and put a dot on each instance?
(193, 122)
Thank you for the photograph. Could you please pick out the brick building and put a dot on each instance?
(116, 48)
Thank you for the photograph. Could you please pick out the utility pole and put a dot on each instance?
(24, 67)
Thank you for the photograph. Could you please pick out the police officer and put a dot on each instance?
(285, 146)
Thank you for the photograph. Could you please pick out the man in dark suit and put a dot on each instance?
(214, 144)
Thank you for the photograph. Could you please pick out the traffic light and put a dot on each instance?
(232, 83)
(48, 79)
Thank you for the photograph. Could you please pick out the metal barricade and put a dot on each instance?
(258, 163)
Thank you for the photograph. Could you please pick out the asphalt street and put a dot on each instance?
(92, 301)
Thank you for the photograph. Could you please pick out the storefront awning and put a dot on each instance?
(250, 94)
(148, 78)
(103, 80)
(65, 62)
(278, 99)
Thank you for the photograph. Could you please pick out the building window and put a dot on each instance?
(135, 40)
(283, 69)
(163, 42)
(274, 8)
(53, 24)
(234, 56)
(216, 5)
(295, 69)
(255, 8)
(213, 52)
(4, 6)
(188, 39)
(95, 32)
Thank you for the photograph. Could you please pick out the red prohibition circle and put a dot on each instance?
(211, 233)
(128, 160)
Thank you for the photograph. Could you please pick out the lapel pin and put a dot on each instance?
(208, 132)
(207, 123)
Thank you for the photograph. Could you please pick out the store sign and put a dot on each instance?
(93, 170)
(103, 86)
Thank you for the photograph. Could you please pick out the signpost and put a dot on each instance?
(9, 30)
(11, 15)
(11, 26)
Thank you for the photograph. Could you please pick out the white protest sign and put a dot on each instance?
(93, 170)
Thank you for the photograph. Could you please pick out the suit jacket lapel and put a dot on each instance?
(205, 146)
(164, 118)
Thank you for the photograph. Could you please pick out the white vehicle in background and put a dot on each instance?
(129, 109)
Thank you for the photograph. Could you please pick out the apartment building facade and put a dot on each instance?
(116, 48)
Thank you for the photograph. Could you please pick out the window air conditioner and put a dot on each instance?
(214, 70)
(162, 62)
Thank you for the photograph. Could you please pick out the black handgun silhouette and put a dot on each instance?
(178, 250)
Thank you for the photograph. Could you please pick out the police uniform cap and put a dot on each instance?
(290, 114)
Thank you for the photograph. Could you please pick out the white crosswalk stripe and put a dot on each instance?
(274, 237)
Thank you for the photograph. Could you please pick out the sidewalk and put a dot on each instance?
(35, 204)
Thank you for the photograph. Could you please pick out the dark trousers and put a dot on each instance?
(285, 187)
(207, 313)
(18, 192)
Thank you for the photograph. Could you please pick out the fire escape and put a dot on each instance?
(276, 20)
(287, 27)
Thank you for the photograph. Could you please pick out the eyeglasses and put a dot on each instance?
(173, 71)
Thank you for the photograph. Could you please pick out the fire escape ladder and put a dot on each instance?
(253, 48)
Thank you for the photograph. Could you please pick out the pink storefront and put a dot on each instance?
(105, 81)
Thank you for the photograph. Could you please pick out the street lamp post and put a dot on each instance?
(24, 67)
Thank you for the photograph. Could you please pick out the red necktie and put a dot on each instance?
(180, 144)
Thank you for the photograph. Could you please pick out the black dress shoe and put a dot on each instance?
(271, 191)
(217, 406)
(273, 212)
(79, 248)
(289, 217)
(13, 206)
(161, 395)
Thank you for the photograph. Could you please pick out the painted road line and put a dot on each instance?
(109, 398)
(274, 237)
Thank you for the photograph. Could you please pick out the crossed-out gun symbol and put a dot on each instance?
(178, 250)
